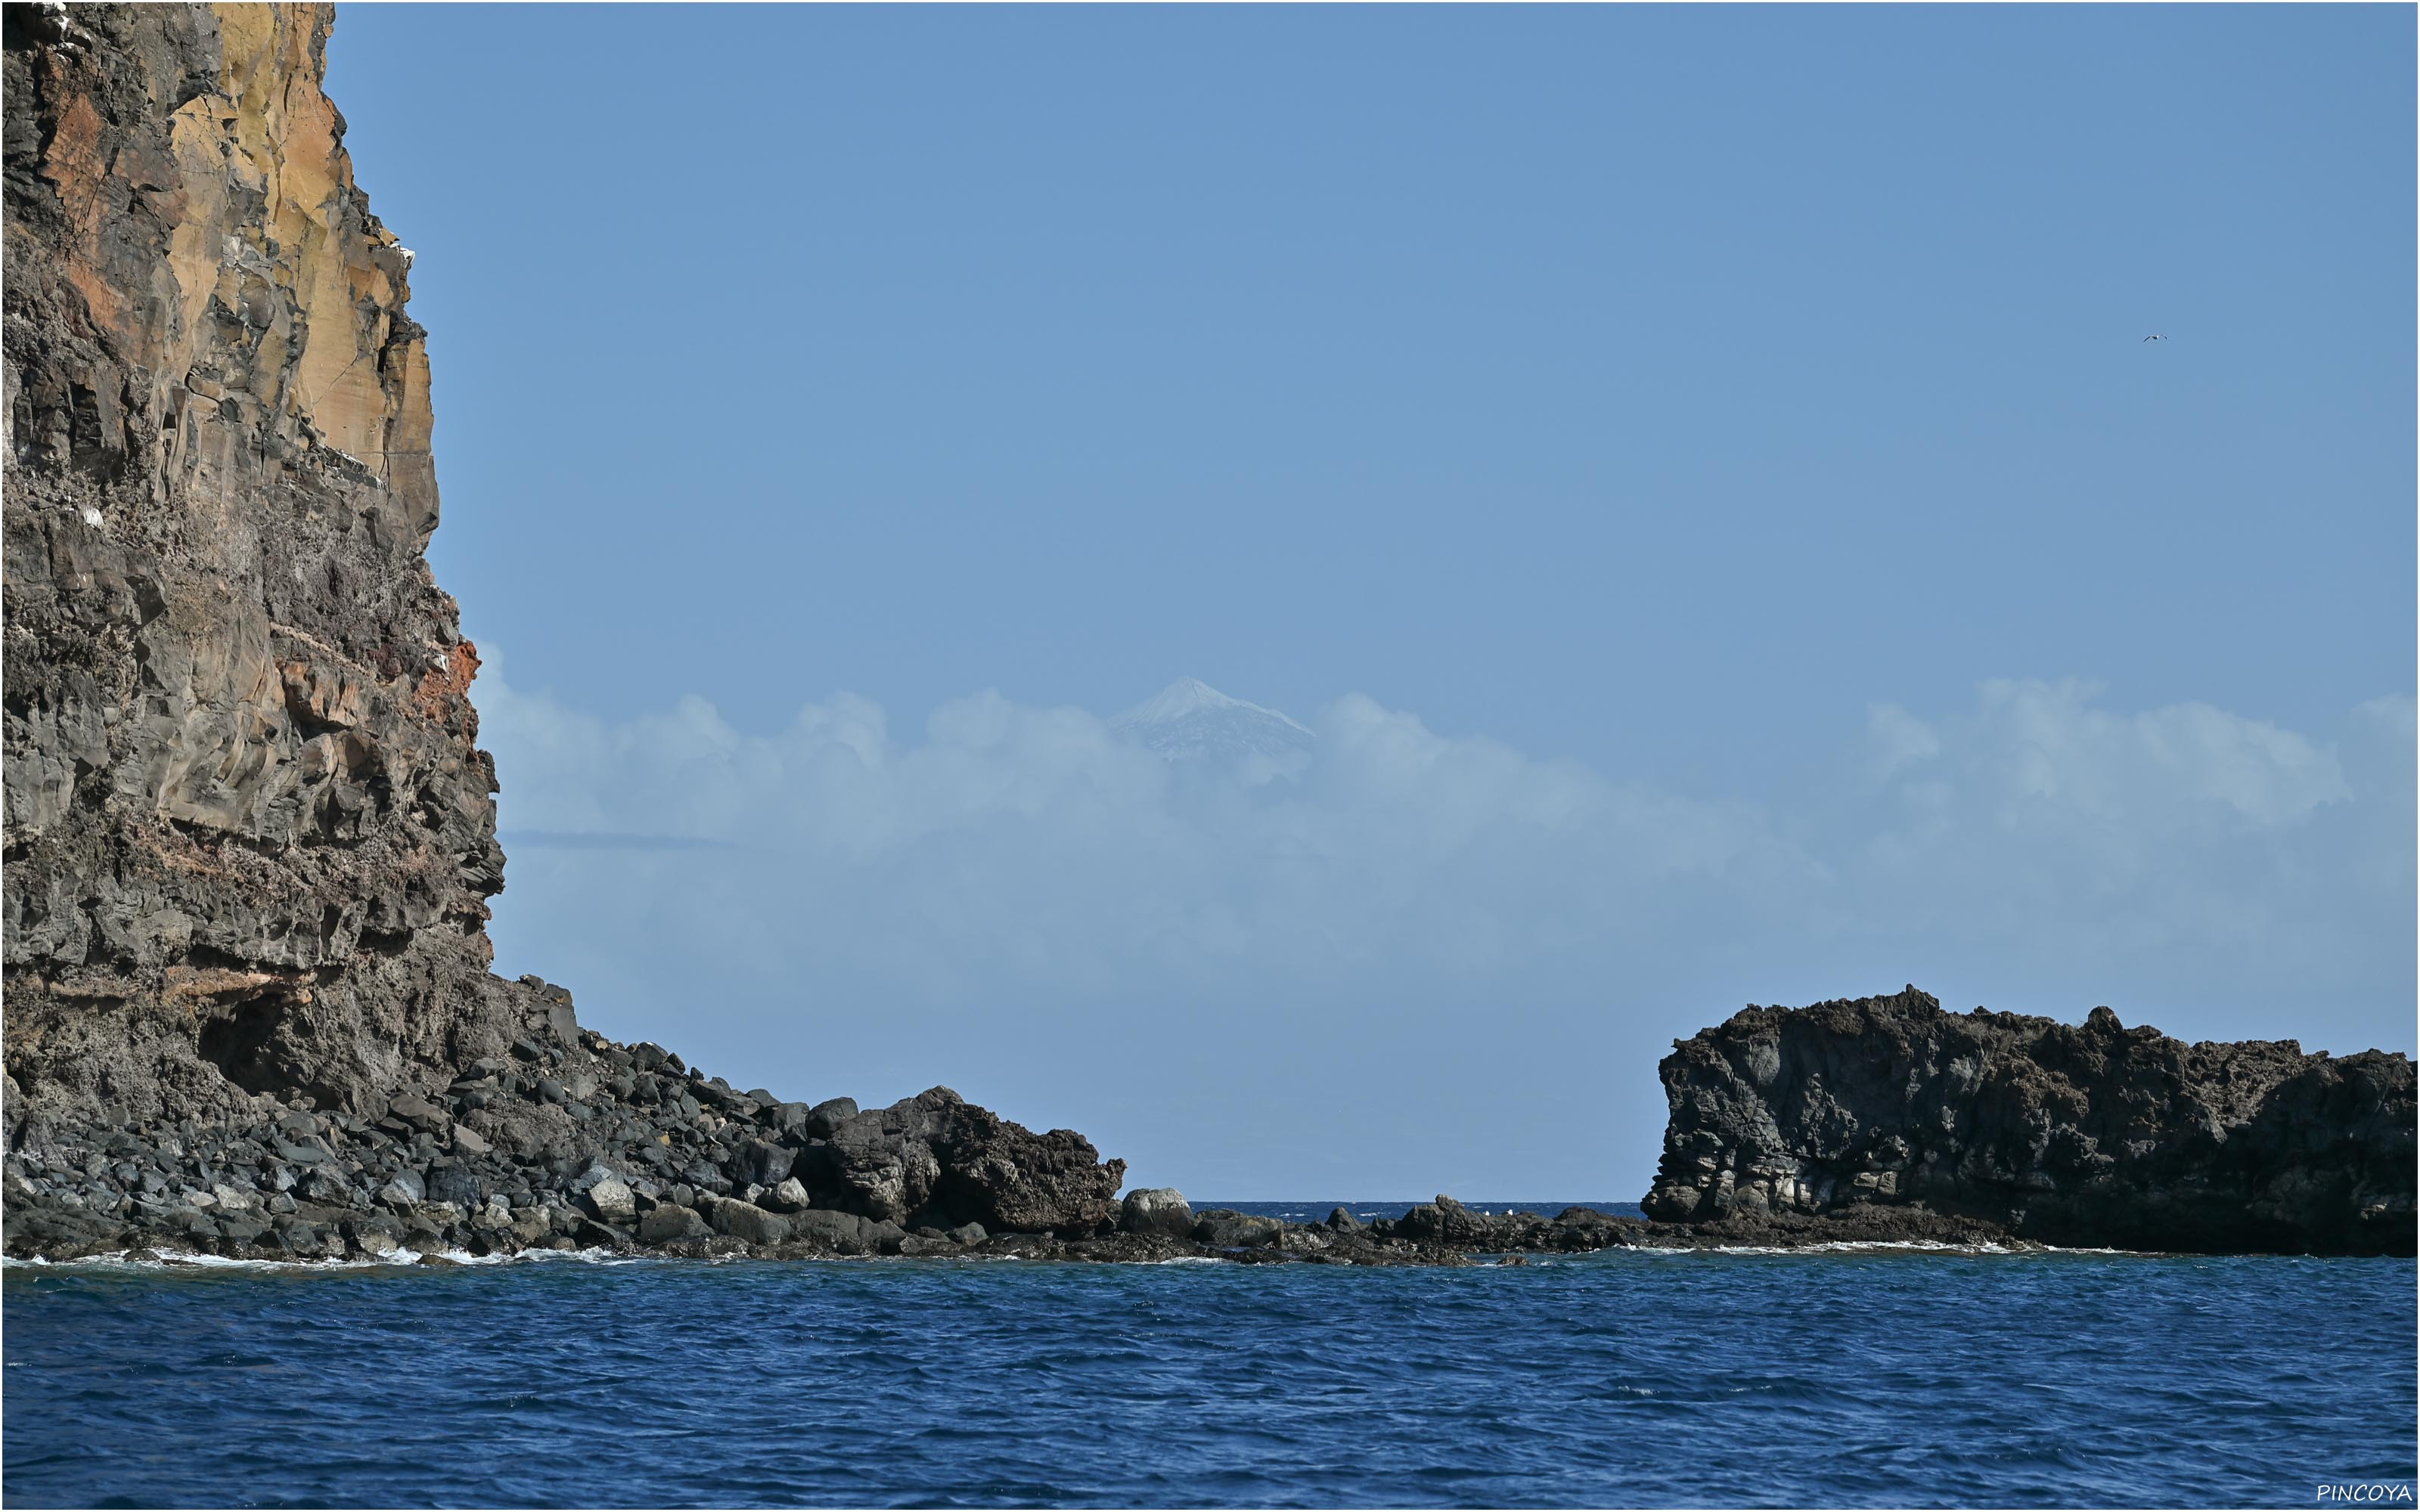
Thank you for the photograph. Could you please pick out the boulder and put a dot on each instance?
(1226, 1229)
(748, 1222)
(828, 1226)
(241, 1229)
(670, 1222)
(1447, 1221)
(594, 1235)
(790, 1197)
(767, 1164)
(1155, 1210)
(611, 1201)
(450, 1181)
(827, 1115)
(326, 1185)
(883, 1159)
(415, 1110)
(308, 1150)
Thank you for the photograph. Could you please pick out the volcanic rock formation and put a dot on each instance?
(2091, 1134)
(249, 834)
(249, 838)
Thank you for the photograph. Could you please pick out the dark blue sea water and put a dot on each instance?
(1870, 1376)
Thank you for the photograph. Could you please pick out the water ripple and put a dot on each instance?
(1853, 1377)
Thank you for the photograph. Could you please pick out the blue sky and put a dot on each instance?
(1698, 469)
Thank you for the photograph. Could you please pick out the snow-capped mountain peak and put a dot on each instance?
(1189, 717)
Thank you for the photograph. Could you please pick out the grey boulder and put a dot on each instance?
(670, 1222)
(1226, 1229)
(612, 1202)
(1157, 1210)
(747, 1221)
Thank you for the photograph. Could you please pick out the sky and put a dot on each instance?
(1698, 471)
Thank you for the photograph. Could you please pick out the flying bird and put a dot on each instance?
(2155, 338)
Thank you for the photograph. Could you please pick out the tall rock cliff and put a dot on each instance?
(249, 834)
(2089, 1135)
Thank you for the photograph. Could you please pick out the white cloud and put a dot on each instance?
(2033, 749)
(1014, 844)
(1020, 894)
(1035, 847)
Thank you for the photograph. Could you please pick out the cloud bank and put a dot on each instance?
(1402, 889)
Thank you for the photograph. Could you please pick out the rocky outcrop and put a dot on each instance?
(936, 1153)
(249, 834)
(1889, 1108)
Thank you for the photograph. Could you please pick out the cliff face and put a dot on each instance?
(2095, 1134)
(249, 833)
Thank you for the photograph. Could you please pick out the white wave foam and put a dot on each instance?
(591, 1255)
(158, 1259)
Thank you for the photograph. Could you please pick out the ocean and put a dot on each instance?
(1851, 1376)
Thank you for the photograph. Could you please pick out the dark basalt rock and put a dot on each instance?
(938, 1159)
(2082, 1135)
(250, 836)
(1226, 1229)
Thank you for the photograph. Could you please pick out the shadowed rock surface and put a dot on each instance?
(2089, 1135)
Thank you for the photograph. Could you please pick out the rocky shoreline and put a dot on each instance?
(582, 1144)
(572, 1142)
(250, 837)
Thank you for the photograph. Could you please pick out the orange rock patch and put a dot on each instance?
(440, 686)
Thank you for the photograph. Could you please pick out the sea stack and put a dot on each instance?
(1884, 1110)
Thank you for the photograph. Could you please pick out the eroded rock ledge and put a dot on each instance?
(2091, 1135)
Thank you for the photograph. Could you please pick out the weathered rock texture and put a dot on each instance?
(249, 834)
(2091, 1134)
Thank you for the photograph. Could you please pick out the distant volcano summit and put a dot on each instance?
(1190, 719)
